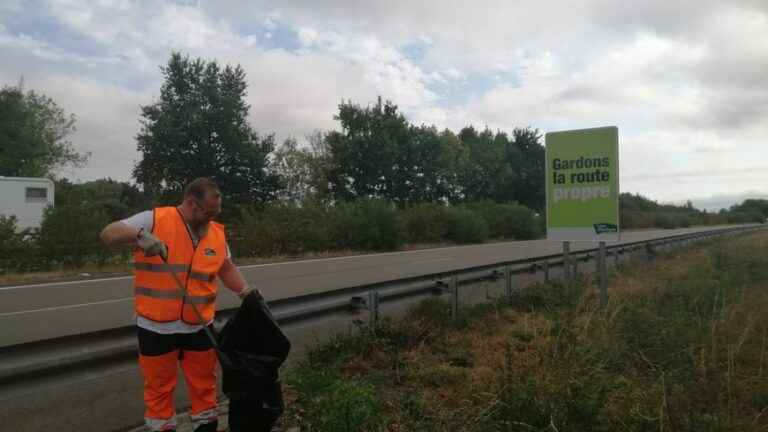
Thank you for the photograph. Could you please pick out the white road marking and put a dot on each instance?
(37, 285)
(433, 260)
(49, 309)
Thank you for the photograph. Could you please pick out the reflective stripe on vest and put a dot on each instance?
(173, 294)
(176, 268)
(157, 296)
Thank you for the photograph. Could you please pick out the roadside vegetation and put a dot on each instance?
(681, 347)
(378, 183)
(636, 211)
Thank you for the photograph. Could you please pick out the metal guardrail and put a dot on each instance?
(47, 358)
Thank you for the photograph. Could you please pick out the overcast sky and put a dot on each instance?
(686, 82)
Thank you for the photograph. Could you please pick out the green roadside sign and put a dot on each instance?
(582, 179)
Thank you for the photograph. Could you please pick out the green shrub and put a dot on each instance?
(466, 226)
(367, 225)
(69, 235)
(16, 251)
(281, 229)
(739, 217)
(665, 220)
(426, 222)
(631, 219)
(336, 404)
(509, 221)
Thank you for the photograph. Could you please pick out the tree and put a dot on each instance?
(199, 127)
(293, 166)
(753, 206)
(69, 234)
(369, 154)
(530, 189)
(379, 154)
(437, 157)
(117, 199)
(320, 165)
(487, 175)
(34, 135)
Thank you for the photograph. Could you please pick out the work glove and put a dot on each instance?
(151, 245)
(247, 290)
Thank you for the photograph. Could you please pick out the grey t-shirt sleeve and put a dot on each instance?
(145, 219)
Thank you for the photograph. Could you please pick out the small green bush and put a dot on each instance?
(466, 226)
(281, 229)
(69, 235)
(631, 219)
(509, 221)
(337, 404)
(367, 225)
(739, 217)
(666, 221)
(426, 222)
(16, 251)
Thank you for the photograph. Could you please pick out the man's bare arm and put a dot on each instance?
(119, 234)
(232, 278)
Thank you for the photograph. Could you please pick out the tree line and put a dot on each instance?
(199, 127)
(376, 183)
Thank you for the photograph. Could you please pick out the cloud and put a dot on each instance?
(683, 80)
(291, 92)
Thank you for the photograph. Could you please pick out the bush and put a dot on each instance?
(367, 225)
(739, 217)
(666, 221)
(16, 252)
(69, 235)
(281, 229)
(337, 403)
(509, 221)
(426, 223)
(466, 226)
(637, 219)
(684, 221)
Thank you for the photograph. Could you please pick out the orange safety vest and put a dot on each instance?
(157, 296)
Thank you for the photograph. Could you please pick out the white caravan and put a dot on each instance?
(25, 198)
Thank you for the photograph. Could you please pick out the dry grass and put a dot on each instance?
(682, 346)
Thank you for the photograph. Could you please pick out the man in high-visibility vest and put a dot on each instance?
(169, 330)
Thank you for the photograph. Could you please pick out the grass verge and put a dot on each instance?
(680, 347)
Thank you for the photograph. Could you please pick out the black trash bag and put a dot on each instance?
(251, 349)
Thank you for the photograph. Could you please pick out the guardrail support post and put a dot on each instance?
(575, 265)
(508, 281)
(374, 306)
(454, 287)
(603, 270)
(546, 271)
(567, 261)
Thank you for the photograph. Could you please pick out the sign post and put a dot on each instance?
(582, 186)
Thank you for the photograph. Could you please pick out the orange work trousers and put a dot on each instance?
(159, 357)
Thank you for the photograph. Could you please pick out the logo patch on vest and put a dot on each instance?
(210, 252)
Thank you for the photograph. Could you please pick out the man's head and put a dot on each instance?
(202, 200)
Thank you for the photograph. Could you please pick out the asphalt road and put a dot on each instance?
(48, 310)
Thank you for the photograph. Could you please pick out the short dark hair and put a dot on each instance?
(199, 186)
